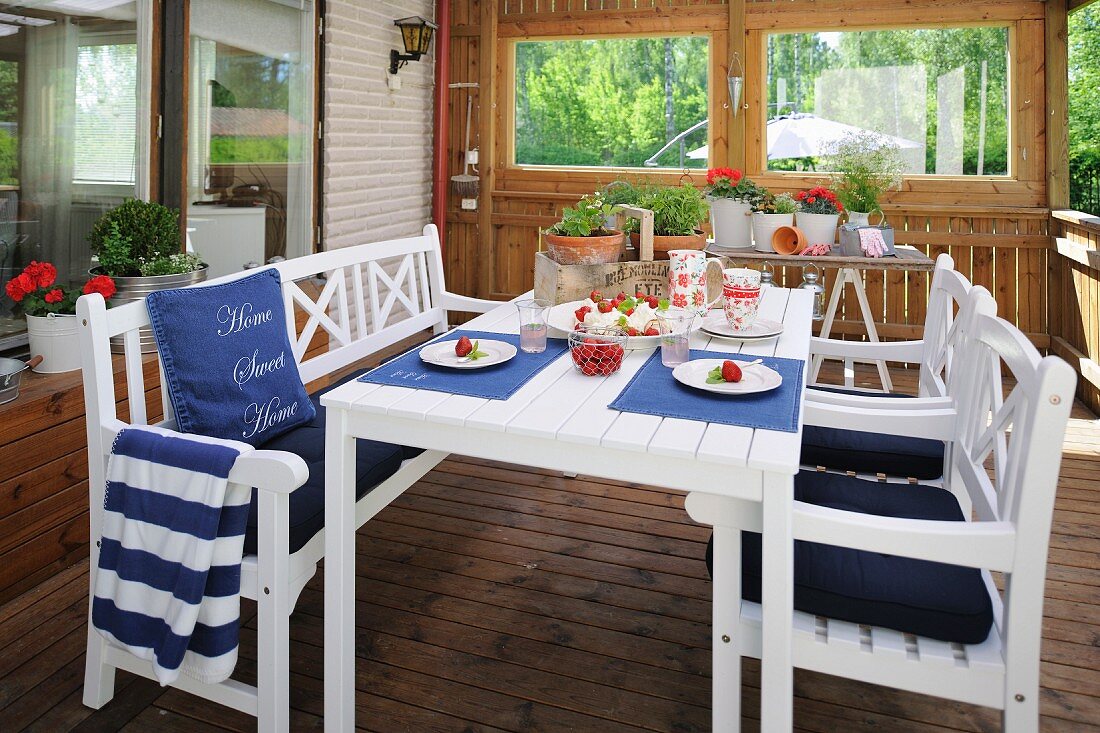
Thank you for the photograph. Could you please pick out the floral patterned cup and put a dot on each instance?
(741, 305)
(741, 277)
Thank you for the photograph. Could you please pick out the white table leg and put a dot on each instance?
(725, 623)
(850, 275)
(777, 605)
(339, 574)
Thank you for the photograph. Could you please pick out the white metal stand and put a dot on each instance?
(850, 275)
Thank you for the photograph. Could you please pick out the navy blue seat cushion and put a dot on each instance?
(374, 463)
(945, 602)
(855, 450)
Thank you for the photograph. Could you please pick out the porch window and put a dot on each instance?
(615, 102)
(939, 94)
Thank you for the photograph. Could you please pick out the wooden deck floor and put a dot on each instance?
(502, 598)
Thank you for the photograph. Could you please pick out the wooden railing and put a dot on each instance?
(1075, 299)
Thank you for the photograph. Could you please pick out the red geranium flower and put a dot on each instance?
(43, 273)
(101, 284)
(14, 291)
(54, 296)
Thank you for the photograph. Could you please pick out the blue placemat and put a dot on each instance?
(497, 382)
(654, 391)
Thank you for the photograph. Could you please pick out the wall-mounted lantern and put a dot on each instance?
(416, 33)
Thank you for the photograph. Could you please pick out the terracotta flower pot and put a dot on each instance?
(789, 240)
(662, 245)
(585, 250)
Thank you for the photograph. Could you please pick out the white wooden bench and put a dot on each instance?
(374, 296)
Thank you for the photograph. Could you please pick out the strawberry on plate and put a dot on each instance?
(595, 296)
(464, 346)
(604, 306)
(581, 312)
(730, 371)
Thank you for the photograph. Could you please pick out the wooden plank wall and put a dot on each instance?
(1075, 299)
(44, 481)
(997, 229)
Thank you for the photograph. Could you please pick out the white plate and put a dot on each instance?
(716, 325)
(754, 377)
(561, 318)
(442, 353)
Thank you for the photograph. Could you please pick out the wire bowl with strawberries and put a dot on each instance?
(597, 352)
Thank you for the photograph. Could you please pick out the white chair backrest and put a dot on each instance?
(373, 296)
(1008, 449)
(946, 296)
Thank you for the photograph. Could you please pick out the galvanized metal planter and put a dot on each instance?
(131, 289)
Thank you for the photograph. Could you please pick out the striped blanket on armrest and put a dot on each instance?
(167, 587)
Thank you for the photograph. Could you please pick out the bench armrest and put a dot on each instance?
(276, 471)
(455, 302)
(899, 351)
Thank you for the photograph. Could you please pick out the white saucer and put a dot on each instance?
(442, 353)
(716, 325)
(754, 377)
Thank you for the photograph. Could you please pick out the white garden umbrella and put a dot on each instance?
(804, 135)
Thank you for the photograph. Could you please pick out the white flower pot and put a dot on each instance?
(764, 226)
(732, 222)
(859, 218)
(54, 337)
(818, 228)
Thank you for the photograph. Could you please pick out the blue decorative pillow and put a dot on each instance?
(229, 364)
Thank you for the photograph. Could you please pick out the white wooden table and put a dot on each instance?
(560, 420)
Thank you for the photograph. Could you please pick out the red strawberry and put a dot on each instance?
(621, 296)
(464, 346)
(653, 301)
(639, 295)
(595, 296)
(730, 371)
(604, 306)
(581, 312)
(629, 311)
(651, 331)
(631, 331)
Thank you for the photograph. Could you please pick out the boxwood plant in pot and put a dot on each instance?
(731, 195)
(770, 212)
(138, 244)
(582, 236)
(678, 212)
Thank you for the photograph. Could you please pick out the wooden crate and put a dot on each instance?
(636, 272)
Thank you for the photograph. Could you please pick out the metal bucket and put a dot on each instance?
(131, 289)
(11, 373)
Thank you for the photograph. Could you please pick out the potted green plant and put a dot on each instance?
(582, 236)
(770, 212)
(619, 193)
(731, 195)
(678, 212)
(864, 166)
(137, 243)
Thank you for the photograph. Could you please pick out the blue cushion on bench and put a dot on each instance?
(930, 599)
(374, 463)
(855, 450)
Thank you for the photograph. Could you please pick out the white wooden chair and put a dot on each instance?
(843, 447)
(933, 352)
(374, 296)
(1020, 439)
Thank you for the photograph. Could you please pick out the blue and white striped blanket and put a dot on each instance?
(167, 588)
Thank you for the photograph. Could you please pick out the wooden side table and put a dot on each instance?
(850, 271)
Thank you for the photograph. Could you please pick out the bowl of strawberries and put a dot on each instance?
(597, 352)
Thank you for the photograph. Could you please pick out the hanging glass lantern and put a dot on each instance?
(735, 81)
(811, 282)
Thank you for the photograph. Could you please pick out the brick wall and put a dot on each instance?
(378, 142)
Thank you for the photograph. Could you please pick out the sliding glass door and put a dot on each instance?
(74, 129)
(250, 131)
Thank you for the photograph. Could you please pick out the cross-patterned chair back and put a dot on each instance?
(942, 328)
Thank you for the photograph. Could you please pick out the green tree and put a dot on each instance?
(1084, 109)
